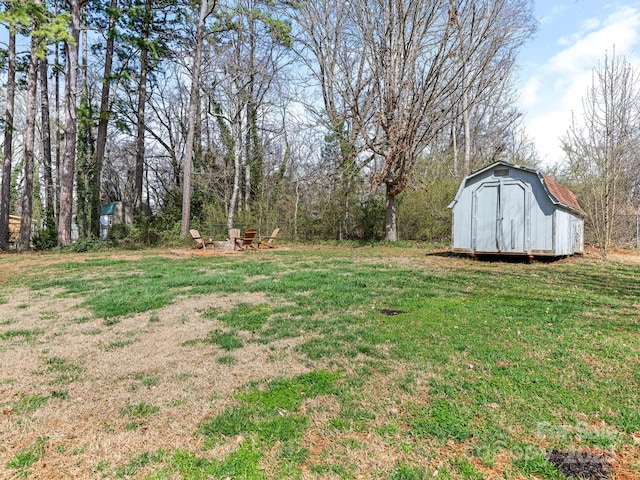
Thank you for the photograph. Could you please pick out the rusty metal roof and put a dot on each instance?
(561, 193)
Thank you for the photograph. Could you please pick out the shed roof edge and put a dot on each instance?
(573, 206)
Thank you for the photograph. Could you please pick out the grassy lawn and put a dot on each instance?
(390, 362)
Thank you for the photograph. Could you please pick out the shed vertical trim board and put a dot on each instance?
(554, 231)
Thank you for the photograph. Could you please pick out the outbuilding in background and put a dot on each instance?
(514, 210)
(114, 214)
(14, 229)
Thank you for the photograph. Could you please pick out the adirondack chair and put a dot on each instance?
(233, 234)
(246, 241)
(199, 241)
(267, 242)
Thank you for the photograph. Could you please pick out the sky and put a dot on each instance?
(555, 66)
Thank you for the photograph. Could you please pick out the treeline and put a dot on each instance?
(602, 160)
(333, 119)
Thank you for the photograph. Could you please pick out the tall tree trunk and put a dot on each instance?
(142, 101)
(467, 130)
(24, 243)
(58, 134)
(70, 133)
(251, 121)
(295, 211)
(248, 157)
(256, 159)
(454, 145)
(49, 189)
(226, 137)
(236, 132)
(7, 149)
(390, 217)
(92, 206)
(197, 131)
(105, 110)
(83, 149)
(140, 144)
(194, 119)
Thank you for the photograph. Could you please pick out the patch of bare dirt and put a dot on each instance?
(630, 257)
(626, 461)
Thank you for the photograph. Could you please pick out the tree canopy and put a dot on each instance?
(329, 119)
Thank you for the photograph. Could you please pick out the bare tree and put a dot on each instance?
(489, 129)
(8, 140)
(142, 101)
(399, 68)
(105, 102)
(45, 26)
(601, 147)
(331, 51)
(70, 132)
(49, 188)
(206, 7)
(236, 139)
(169, 112)
(24, 242)
(485, 108)
(144, 33)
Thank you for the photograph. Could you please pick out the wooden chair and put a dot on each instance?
(233, 234)
(199, 241)
(246, 241)
(267, 242)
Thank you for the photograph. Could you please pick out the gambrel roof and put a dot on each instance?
(562, 194)
(557, 193)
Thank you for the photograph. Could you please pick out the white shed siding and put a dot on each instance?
(541, 227)
(568, 239)
(462, 228)
(462, 218)
(542, 218)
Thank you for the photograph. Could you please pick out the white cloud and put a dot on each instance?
(530, 92)
(559, 85)
(619, 29)
(555, 11)
(585, 27)
(547, 130)
(590, 24)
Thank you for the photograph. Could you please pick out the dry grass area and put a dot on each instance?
(90, 373)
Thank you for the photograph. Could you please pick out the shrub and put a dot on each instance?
(91, 244)
(47, 237)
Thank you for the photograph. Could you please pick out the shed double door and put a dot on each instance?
(501, 217)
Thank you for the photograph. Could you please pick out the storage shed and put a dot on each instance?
(514, 210)
(14, 229)
(113, 214)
